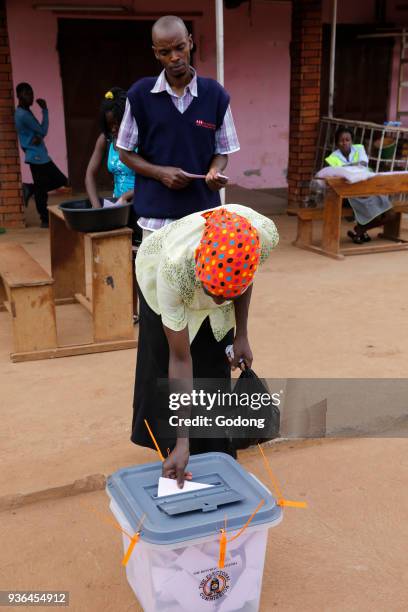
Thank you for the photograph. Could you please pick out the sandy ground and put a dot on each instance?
(67, 419)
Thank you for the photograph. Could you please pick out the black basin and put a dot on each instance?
(81, 217)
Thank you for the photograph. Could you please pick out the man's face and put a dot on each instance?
(26, 97)
(344, 143)
(172, 47)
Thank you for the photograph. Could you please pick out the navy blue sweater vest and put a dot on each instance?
(170, 138)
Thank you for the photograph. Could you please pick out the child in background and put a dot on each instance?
(111, 113)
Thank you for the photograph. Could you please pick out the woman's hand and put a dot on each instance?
(175, 464)
(242, 353)
(126, 197)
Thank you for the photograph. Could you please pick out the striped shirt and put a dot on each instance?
(226, 140)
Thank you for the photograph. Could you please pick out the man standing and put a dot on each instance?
(180, 123)
(31, 134)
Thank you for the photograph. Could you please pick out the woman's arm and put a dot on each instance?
(242, 350)
(92, 170)
(181, 373)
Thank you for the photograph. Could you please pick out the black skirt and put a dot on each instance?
(209, 362)
(47, 176)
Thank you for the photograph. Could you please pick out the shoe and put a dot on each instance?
(356, 239)
(135, 319)
(44, 224)
(366, 237)
(28, 191)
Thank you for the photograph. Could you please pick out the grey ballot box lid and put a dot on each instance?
(172, 519)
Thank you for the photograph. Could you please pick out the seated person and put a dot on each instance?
(371, 211)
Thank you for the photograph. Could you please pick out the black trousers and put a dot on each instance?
(46, 177)
(209, 361)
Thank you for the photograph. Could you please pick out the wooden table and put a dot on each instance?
(339, 189)
(111, 304)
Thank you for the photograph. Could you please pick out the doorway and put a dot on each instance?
(96, 55)
(362, 74)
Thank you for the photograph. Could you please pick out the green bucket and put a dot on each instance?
(388, 147)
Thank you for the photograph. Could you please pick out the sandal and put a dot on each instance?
(136, 319)
(356, 239)
(366, 237)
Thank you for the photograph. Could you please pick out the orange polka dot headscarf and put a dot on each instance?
(228, 254)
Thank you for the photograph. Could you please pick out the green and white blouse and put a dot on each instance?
(165, 270)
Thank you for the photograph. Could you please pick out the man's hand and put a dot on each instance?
(242, 350)
(214, 181)
(173, 178)
(175, 464)
(41, 103)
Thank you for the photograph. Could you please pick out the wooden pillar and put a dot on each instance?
(11, 199)
(306, 51)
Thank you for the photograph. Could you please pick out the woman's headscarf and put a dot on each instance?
(228, 254)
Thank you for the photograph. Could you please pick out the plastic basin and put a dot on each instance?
(81, 217)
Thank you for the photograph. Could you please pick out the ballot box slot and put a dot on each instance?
(198, 501)
(211, 479)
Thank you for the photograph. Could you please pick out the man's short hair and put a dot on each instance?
(168, 21)
(23, 87)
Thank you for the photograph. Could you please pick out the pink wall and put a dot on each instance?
(257, 74)
(258, 77)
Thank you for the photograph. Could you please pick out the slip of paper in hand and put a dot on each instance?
(169, 486)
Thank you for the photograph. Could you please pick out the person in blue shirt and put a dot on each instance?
(111, 113)
(31, 134)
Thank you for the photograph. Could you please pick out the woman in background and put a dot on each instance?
(111, 113)
(369, 212)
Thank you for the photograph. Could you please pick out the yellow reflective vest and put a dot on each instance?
(335, 161)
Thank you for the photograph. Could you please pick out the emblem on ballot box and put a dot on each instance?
(214, 585)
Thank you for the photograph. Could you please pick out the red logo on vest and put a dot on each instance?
(205, 124)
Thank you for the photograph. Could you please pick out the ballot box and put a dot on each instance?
(174, 566)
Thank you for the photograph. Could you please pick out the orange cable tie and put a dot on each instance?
(274, 482)
(281, 501)
(259, 506)
(291, 504)
(133, 541)
(154, 440)
(105, 519)
(223, 549)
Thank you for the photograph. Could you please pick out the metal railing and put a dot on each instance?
(385, 145)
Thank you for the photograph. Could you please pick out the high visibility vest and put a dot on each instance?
(335, 161)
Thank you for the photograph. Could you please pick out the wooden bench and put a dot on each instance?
(26, 291)
(333, 211)
(306, 216)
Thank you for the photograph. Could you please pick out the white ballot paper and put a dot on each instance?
(108, 203)
(202, 176)
(169, 486)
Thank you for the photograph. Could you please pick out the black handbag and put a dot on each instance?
(249, 384)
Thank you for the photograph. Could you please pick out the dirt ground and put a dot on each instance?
(68, 420)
